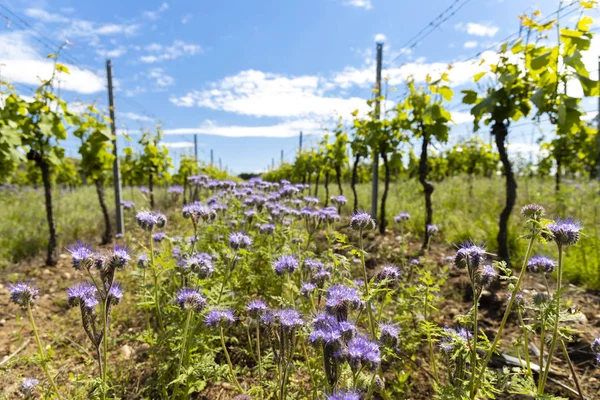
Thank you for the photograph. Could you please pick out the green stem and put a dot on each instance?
(260, 377)
(556, 321)
(475, 334)
(566, 354)
(505, 317)
(366, 284)
(156, 291)
(105, 344)
(310, 372)
(42, 353)
(182, 353)
(225, 279)
(235, 381)
(526, 340)
(429, 340)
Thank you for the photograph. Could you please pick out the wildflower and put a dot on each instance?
(267, 229)
(239, 241)
(115, 294)
(288, 318)
(257, 308)
(23, 294)
(320, 277)
(285, 264)
(175, 190)
(453, 338)
(540, 299)
(190, 299)
(339, 395)
(143, 261)
(541, 263)
(565, 232)
(147, 220)
(432, 229)
(200, 264)
(219, 318)
(159, 236)
(83, 295)
(401, 217)
(388, 334)
(533, 211)
(81, 255)
(519, 299)
(388, 273)
(197, 212)
(311, 201)
(312, 265)
(362, 352)
(119, 257)
(596, 345)
(339, 200)
(487, 274)
(127, 205)
(341, 299)
(469, 256)
(307, 289)
(362, 221)
(29, 387)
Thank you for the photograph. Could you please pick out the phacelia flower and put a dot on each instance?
(519, 299)
(115, 294)
(362, 352)
(219, 318)
(82, 294)
(388, 273)
(190, 299)
(289, 319)
(285, 264)
(313, 265)
(29, 388)
(596, 345)
(320, 277)
(307, 289)
(142, 261)
(388, 334)
(540, 299)
(341, 299)
(198, 212)
(362, 221)
(159, 236)
(23, 294)
(340, 395)
(127, 205)
(339, 200)
(147, 220)
(200, 264)
(239, 241)
(487, 274)
(432, 229)
(533, 211)
(541, 263)
(119, 257)
(565, 232)
(257, 308)
(82, 255)
(267, 229)
(175, 190)
(401, 217)
(454, 338)
(469, 256)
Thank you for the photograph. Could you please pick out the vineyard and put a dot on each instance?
(461, 271)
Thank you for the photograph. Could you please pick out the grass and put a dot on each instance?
(461, 216)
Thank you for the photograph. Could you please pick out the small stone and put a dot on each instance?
(63, 256)
(67, 275)
(126, 351)
(2, 322)
(46, 271)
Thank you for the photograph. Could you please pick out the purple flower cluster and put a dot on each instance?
(83, 295)
(159, 236)
(533, 211)
(147, 220)
(197, 211)
(339, 395)
(362, 221)
(127, 205)
(82, 255)
(23, 294)
(198, 263)
(389, 274)
(541, 264)
(257, 308)
(239, 241)
(596, 349)
(469, 256)
(285, 264)
(175, 190)
(432, 230)
(219, 318)
(401, 217)
(190, 299)
(339, 200)
(29, 388)
(388, 334)
(340, 300)
(361, 352)
(454, 339)
(565, 232)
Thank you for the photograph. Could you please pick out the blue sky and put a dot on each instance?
(246, 75)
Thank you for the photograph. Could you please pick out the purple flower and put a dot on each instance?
(142, 261)
(340, 299)
(197, 211)
(119, 257)
(83, 295)
(81, 255)
(127, 205)
(288, 318)
(29, 387)
(239, 241)
(200, 264)
(469, 256)
(565, 232)
(487, 274)
(454, 338)
(307, 289)
(147, 220)
(23, 294)
(340, 395)
(257, 308)
(541, 263)
(362, 221)
(533, 211)
(175, 190)
(362, 352)
(388, 273)
(115, 294)
(320, 277)
(432, 229)
(285, 264)
(311, 201)
(596, 345)
(267, 228)
(540, 299)
(190, 299)
(401, 217)
(159, 236)
(312, 265)
(388, 334)
(519, 299)
(219, 318)
(339, 200)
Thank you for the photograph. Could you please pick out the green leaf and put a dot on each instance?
(62, 68)
(470, 96)
(590, 86)
(541, 61)
(446, 93)
(584, 23)
(478, 76)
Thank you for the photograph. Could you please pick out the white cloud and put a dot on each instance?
(45, 16)
(263, 94)
(158, 52)
(114, 53)
(154, 15)
(161, 79)
(475, 29)
(380, 38)
(281, 130)
(136, 117)
(366, 4)
(177, 145)
(461, 117)
(186, 18)
(471, 44)
(21, 63)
